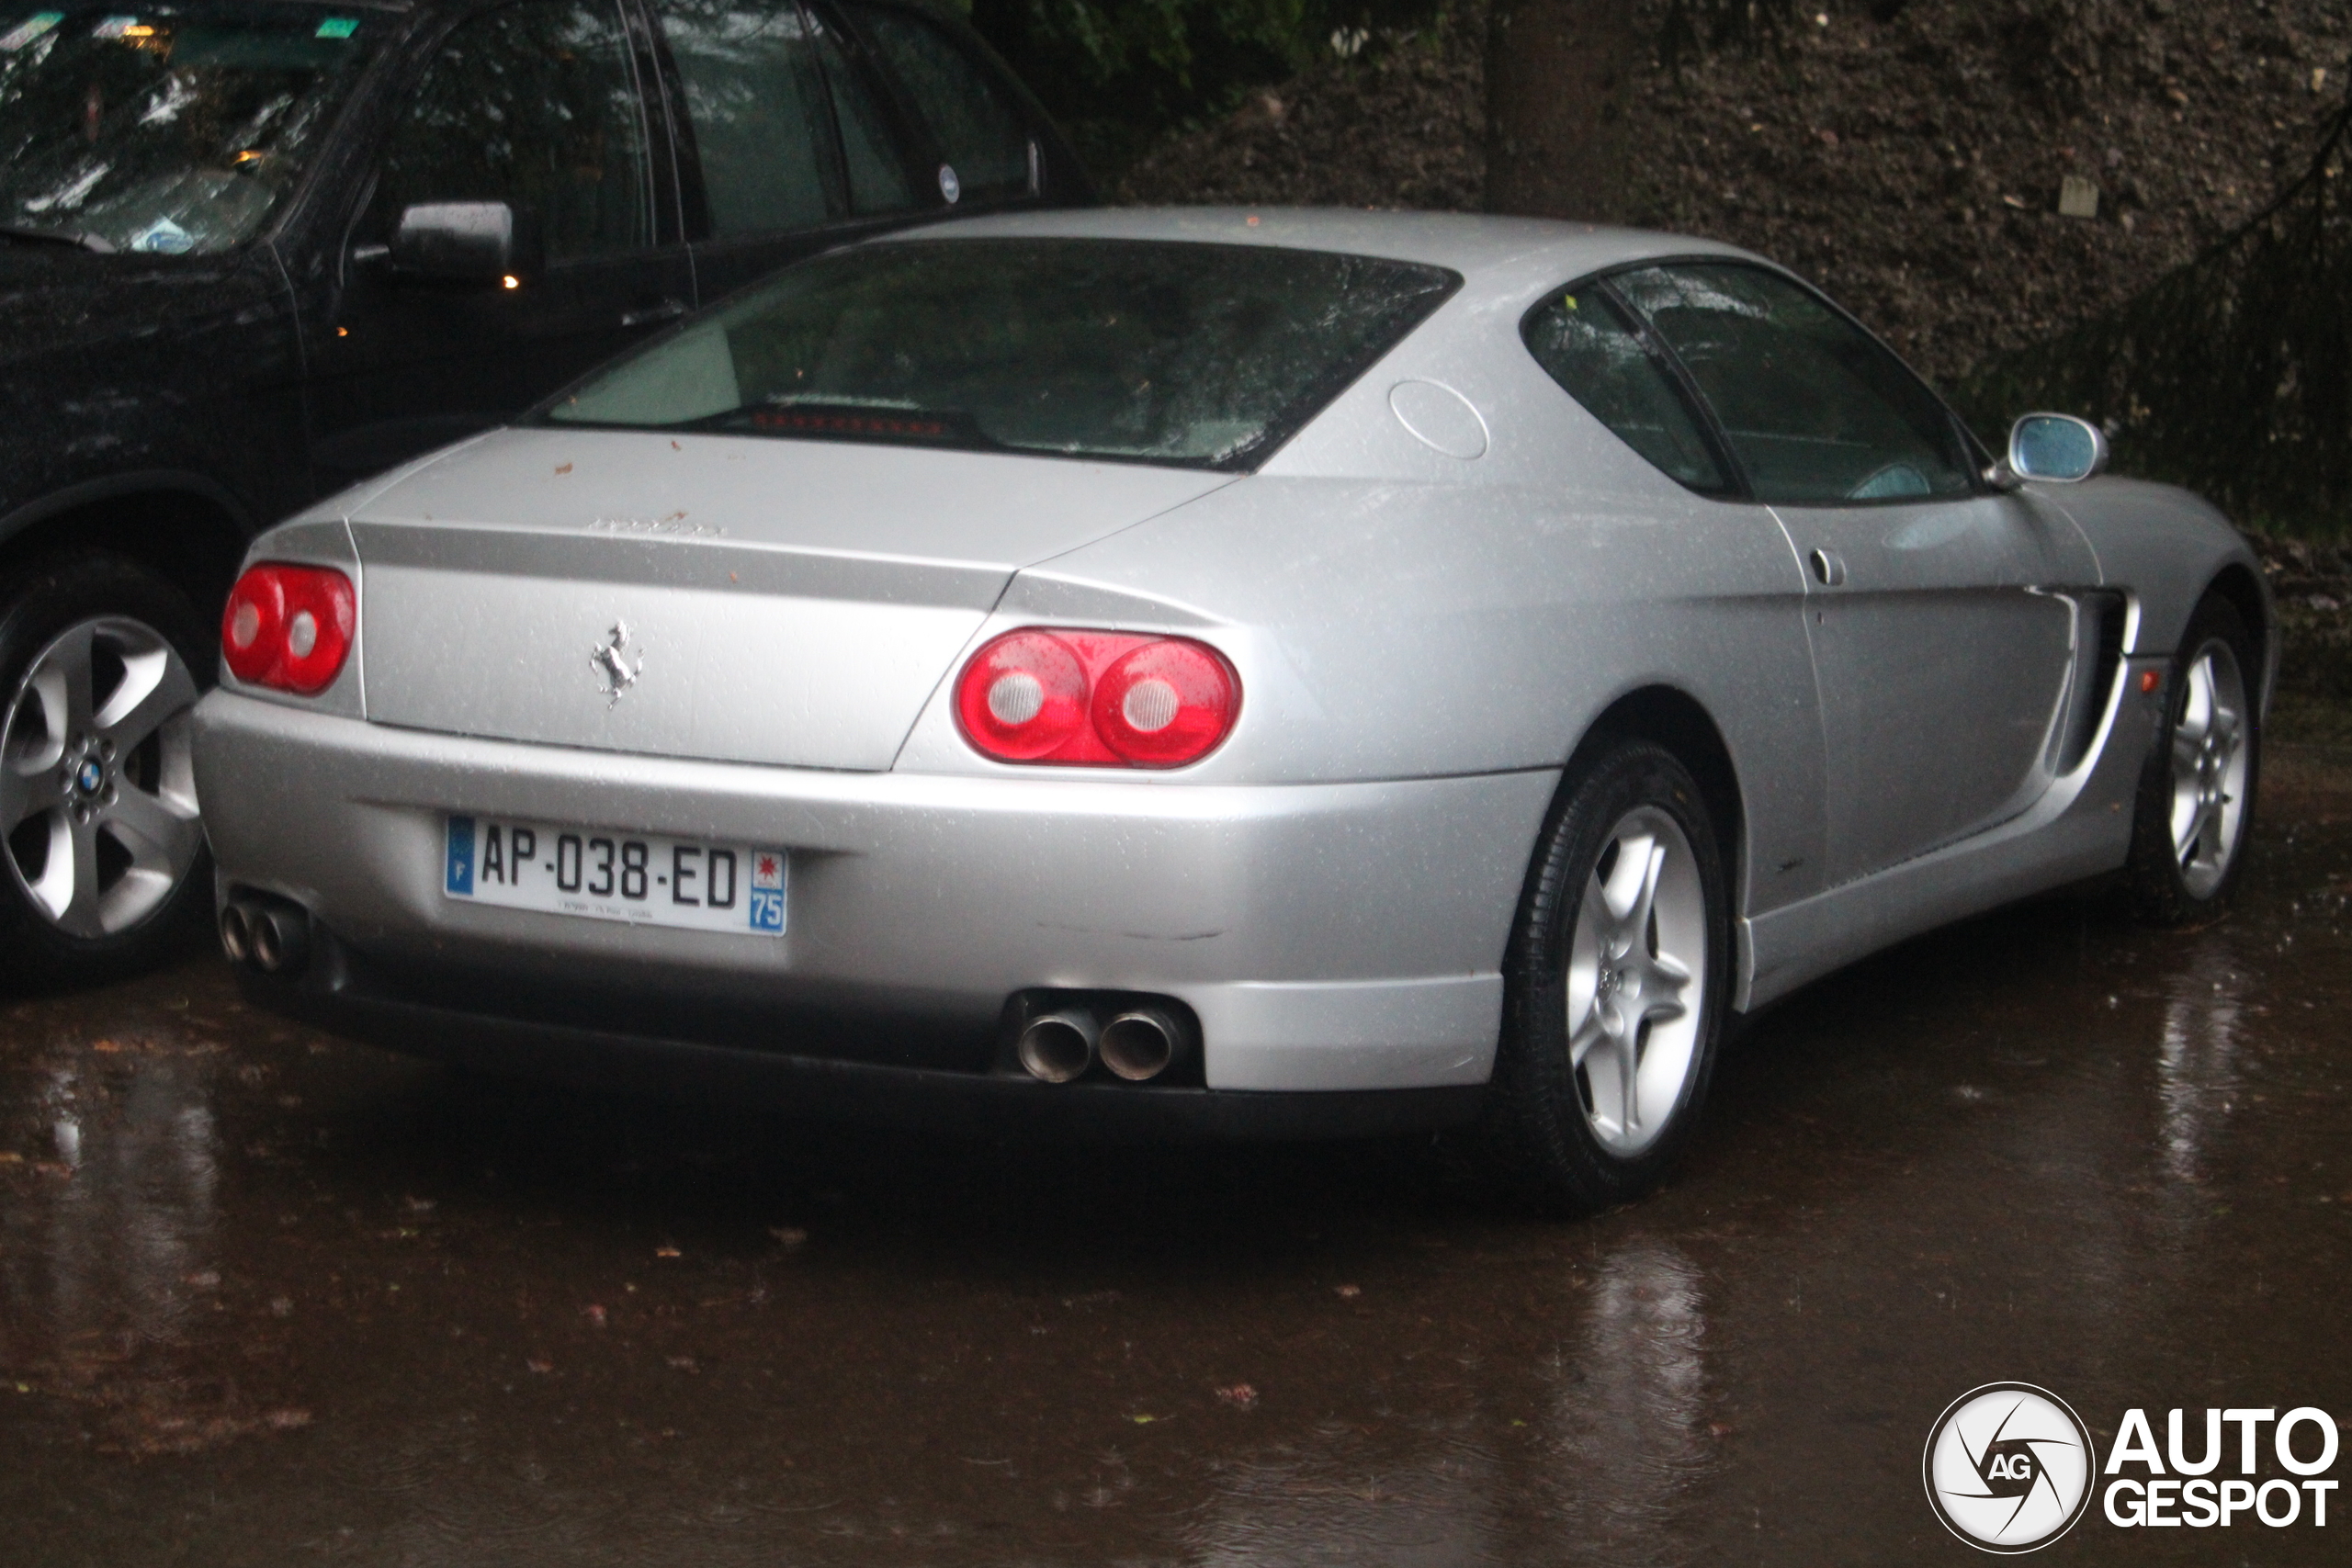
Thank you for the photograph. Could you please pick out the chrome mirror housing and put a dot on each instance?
(2056, 447)
(465, 242)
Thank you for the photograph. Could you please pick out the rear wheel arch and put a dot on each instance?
(1672, 719)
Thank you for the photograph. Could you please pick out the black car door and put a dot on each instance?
(544, 104)
(786, 145)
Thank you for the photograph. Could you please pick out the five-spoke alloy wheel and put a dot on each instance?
(2197, 796)
(100, 666)
(1617, 979)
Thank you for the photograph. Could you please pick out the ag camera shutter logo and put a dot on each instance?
(2008, 1467)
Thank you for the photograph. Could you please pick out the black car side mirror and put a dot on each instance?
(466, 241)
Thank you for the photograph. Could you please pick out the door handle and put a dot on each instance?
(1827, 569)
(645, 315)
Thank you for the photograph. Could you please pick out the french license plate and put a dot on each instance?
(615, 876)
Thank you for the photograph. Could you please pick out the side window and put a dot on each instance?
(1815, 412)
(534, 105)
(756, 100)
(976, 129)
(1594, 354)
(877, 177)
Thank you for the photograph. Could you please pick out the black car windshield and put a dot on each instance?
(1193, 355)
(174, 130)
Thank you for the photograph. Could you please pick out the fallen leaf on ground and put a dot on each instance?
(1241, 1397)
(540, 1364)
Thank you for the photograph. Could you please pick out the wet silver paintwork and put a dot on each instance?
(1424, 634)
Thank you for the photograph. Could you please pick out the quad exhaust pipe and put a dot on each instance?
(1139, 1045)
(269, 934)
(1063, 1039)
(1060, 1046)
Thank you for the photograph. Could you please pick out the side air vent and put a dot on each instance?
(2099, 655)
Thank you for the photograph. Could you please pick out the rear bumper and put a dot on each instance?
(949, 1103)
(1331, 938)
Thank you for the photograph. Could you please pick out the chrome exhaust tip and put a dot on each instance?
(281, 939)
(236, 932)
(1140, 1044)
(1058, 1047)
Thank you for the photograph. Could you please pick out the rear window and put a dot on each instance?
(1195, 355)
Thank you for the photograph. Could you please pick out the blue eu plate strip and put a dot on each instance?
(461, 856)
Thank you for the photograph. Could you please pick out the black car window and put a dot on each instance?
(170, 132)
(976, 129)
(534, 105)
(756, 100)
(877, 175)
(1197, 356)
(1586, 346)
(1816, 411)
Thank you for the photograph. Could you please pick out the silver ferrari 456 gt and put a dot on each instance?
(1265, 672)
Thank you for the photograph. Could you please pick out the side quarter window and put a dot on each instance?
(877, 175)
(1585, 343)
(534, 105)
(756, 102)
(976, 127)
(1816, 411)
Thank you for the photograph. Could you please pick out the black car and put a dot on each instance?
(254, 251)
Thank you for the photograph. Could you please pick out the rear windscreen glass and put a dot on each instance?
(1199, 356)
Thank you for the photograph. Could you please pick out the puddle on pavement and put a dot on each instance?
(266, 1294)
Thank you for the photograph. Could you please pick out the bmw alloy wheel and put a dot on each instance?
(1635, 962)
(2209, 769)
(97, 796)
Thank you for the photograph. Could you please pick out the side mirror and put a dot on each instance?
(465, 242)
(2057, 447)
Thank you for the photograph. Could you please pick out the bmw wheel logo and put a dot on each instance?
(2008, 1467)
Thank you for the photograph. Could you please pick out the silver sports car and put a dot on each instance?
(1263, 672)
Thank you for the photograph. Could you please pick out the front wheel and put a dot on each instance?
(2196, 805)
(1617, 979)
(100, 664)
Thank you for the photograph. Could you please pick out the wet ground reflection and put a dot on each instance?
(264, 1295)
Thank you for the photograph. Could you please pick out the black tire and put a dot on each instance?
(41, 604)
(2176, 887)
(1540, 1137)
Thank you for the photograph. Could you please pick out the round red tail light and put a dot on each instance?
(288, 626)
(1165, 702)
(1096, 699)
(1023, 696)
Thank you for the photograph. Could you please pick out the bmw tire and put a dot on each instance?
(1617, 981)
(103, 864)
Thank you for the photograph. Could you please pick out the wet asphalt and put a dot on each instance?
(267, 1297)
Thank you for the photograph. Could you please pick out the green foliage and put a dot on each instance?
(2232, 376)
(1121, 73)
